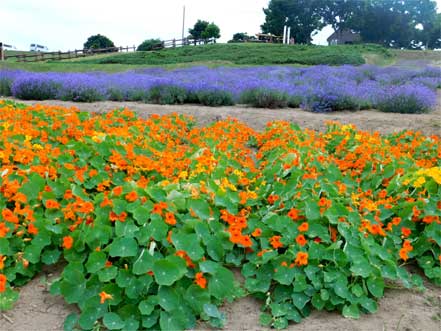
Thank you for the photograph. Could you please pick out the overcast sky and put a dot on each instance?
(64, 25)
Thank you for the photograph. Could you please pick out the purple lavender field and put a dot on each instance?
(316, 88)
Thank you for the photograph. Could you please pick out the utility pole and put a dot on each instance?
(183, 25)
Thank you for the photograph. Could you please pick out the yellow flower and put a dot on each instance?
(419, 182)
(37, 146)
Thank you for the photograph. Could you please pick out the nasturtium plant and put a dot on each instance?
(149, 217)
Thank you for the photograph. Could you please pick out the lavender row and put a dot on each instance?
(317, 88)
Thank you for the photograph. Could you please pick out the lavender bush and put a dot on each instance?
(317, 88)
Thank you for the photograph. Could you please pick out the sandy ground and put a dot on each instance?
(400, 309)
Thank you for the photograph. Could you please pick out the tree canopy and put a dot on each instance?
(204, 30)
(393, 23)
(98, 41)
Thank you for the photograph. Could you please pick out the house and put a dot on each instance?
(345, 36)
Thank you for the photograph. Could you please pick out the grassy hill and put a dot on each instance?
(230, 55)
(245, 54)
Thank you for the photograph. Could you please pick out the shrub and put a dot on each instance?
(137, 94)
(115, 94)
(215, 98)
(81, 93)
(98, 41)
(407, 99)
(150, 44)
(5, 86)
(167, 95)
(34, 88)
(261, 98)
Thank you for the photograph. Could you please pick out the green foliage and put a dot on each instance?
(240, 37)
(167, 95)
(198, 28)
(156, 218)
(98, 41)
(204, 30)
(243, 54)
(215, 98)
(261, 98)
(150, 44)
(405, 104)
(304, 17)
(5, 86)
(211, 31)
(392, 23)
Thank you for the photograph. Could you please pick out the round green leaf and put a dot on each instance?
(123, 247)
(169, 270)
(112, 321)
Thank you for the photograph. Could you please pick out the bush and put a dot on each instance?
(150, 44)
(408, 99)
(261, 98)
(215, 98)
(115, 94)
(5, 87)
(167, 95)
(34, 88)
(81, 93)
(98, 41)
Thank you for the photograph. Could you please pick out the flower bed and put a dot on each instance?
(150, 215)
(317, 88)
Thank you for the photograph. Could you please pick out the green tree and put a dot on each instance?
(240, 37)
(304, 16)
(430, 36)
(150, 44)
(198, 29)
(98, 41)
(393, 23)
(211, 31)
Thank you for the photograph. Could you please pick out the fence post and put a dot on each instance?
(2, 53)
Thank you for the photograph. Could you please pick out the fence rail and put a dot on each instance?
(48, 56)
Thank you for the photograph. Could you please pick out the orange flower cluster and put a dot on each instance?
(407, 247)
(236, 225)
(200, 280)
(2, 283)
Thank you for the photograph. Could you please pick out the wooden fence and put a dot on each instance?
(48, 56)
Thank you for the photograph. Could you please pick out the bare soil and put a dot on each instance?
(400, 309)
(257, 118)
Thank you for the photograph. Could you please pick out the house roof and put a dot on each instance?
(345, 33)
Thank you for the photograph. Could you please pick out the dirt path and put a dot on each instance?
(399, 310)
(369, 120)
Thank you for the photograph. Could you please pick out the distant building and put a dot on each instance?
(344, 37)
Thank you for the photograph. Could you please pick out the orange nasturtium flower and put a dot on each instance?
(275, 242)
(406, 231)
(2, 262)
(301, 259)
(257, 232)
(3, 229)
(52, 204)
(301, 240)
(105, 296)
(294, 214)
(132, 196)
(303, 227)
(200, 280)
(2, 283)
(67, 242)
(32, 229)
(170, 218)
